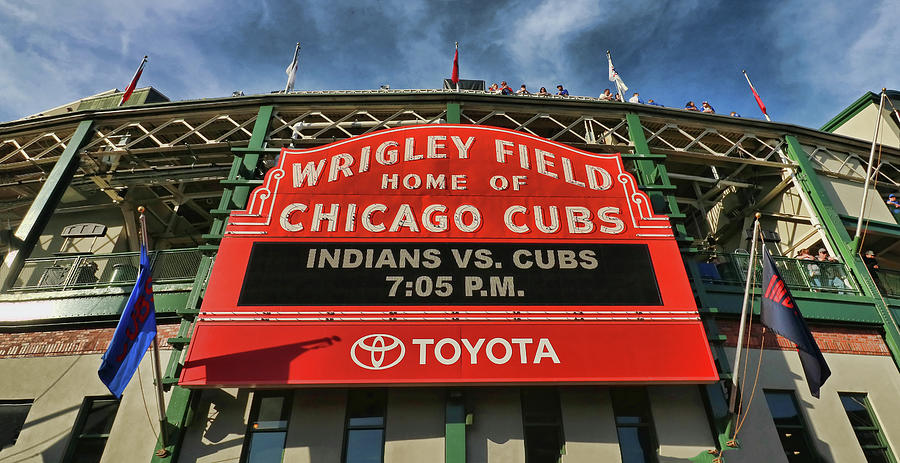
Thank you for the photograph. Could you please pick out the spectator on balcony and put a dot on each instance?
(804, 254)
(651, 102)
(893, 204)
(872, 264)
(831, 274)
(690, 106)
(606, 95)
(561, 91)
(523, 91)
(505, 89)
(543, 92)
(734, 114)
(707, 108)
(636, 98)
(494, 88)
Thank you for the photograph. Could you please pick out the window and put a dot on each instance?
(12, 419)
(791, 427)
(868, 431)
(542, 423)
(92, 429)
(634, 424)
(364, 436)
(267, 428)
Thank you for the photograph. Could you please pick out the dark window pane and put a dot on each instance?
(266, 447)
(630, 405)
(364, 445)
(635, 444)
(270, 408)
(855, 406)
(540, 405)
(795, 446)
(783, 408)
(542, 444)
(12, 418)
(876, 456)
(867, 437)
(100, 417)
(365, 407)
(88, 450)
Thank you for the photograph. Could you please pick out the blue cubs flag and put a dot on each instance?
(779, 312)
(135, 332)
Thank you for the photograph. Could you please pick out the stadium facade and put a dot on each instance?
(259, 367)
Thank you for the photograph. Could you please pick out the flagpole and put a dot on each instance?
(133, 82)
(157, 370)
(618, 89)
(737, 353)
(765, 113)
(862, 205)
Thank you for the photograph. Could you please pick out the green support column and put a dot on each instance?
(654, 180)
(653, 177)
(234, 196)
(43, 206)
(455, 429)
(453, 112)
(840, 239)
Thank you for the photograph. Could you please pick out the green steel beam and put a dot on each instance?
(453, 112)
(455, 428)
(652, 175)
(840, 239)
(235, 195)
(43, 206)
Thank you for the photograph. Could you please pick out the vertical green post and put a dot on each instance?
(453, 113)
(840, 239)
(455, 428)
(43, 206)
(182, 400)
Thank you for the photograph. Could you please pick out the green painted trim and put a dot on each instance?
(453, 113)
(840, 240)
(850, 111)
(455, 428)
(44, 205)
(885, 228)
(250, 161)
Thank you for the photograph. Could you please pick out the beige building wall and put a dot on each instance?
(682, 428)
(589, 425)
(496, 435)
(216, 433)
(862, 126)
(414, 426)
(58, 386)
(827, 423)
(316, 428)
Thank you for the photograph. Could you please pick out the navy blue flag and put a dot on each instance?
(779, 312)
(135, 332)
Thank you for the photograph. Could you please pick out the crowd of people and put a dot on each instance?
(504, 89)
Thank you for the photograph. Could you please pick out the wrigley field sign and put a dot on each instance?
(446, 254)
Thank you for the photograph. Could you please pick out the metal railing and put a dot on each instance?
(105, 270)
(888, 281)
(803, 275)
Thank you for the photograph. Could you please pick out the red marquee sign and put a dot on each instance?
(447, 254)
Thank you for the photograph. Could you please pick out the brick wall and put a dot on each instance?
(835, 340)
(67, 342)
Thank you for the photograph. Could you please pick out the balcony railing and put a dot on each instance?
(888, 282)
(105, 270)
(803, 275)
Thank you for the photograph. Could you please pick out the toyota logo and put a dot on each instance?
(380, 349)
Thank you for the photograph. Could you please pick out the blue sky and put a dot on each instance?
(808, 58)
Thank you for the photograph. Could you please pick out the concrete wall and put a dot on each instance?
(682, 428)
(862, 126)
(316, 429)
(216, 433)
(829, 428)
(414, 430)
(114, 241)
(496, 435)
(589, 425)
(58, 386)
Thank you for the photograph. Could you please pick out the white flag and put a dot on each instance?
(291, 70)
(614, 77)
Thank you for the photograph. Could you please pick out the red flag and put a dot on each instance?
(762, 107)
(134, 80)
(454, 77)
